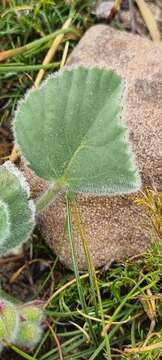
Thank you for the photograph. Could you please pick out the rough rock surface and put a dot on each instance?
(115, 226)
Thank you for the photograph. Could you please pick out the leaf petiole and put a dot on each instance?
(49, 195)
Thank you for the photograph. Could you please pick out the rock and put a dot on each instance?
(103, 9)
(116, 226)
(133, 20)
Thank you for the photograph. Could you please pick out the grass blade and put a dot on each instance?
(75, 265)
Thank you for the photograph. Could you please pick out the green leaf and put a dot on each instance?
(4, 222)
(69, 131)
(32, 311)
(9, 321)
(16, 211)
(29, 334)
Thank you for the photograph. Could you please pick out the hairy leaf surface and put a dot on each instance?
(16, 211)
(69, 130)
(4, 222)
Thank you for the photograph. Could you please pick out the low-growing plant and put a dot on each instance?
(9, 322)
(20, 324)
(70, 134)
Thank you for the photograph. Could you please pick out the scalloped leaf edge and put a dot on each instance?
(121, 121)
(10, 167)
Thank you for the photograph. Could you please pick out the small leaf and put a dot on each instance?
(9, 321)
(16, 211)
(29, 334)
(69, 131)
(32, 311)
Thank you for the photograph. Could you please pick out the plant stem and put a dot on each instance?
(22, 353)
(149, 20)
(92, 275)
(20, 50)
(48, 196)
(6, 68)
(91, 269)
(75, 265)
(51, 52)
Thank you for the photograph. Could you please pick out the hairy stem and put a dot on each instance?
(49, 196)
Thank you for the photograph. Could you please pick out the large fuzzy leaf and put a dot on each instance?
(16, 211)
(69, 130)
